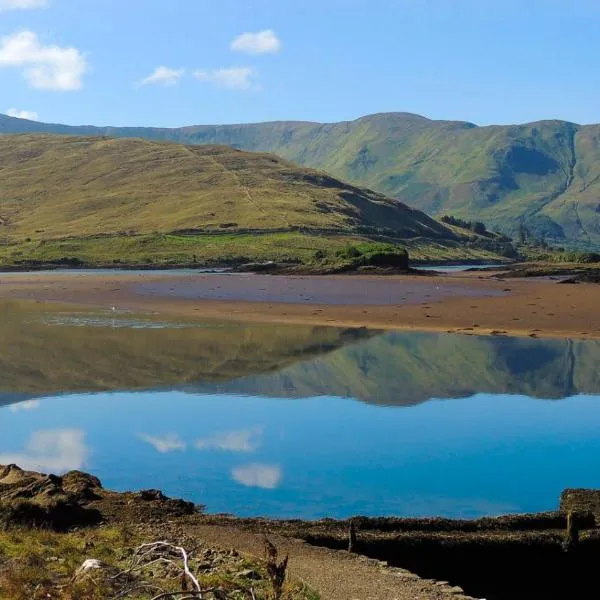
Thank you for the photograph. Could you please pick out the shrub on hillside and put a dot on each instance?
(373, 255)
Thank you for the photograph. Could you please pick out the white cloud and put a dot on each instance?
(44, 67)
(245, 440)
(21, 4)
(261, 42)
(163, 76)
(57, 450)
(164, 443)
(232, 78)
(27, 404)
(267, 477)
(22, 114)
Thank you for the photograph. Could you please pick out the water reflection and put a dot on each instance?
(394, 369)
(244, 440)
(168, 442)
(56, 451)
(302, 421)
(318, 457)
(267, 477)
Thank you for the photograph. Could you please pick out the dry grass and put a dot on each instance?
(54, 186)
(38, 564)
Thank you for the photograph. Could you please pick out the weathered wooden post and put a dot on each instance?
(351, 536)
(572, 536)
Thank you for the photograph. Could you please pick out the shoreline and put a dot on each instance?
(362, 557)
(468, 302)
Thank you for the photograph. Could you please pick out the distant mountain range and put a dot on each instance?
(540, 179)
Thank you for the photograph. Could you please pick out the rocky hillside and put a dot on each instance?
(541, 179)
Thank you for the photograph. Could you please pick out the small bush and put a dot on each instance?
(375, 255)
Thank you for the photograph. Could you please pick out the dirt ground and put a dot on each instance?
(469, 303)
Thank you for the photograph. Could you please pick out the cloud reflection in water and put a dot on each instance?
(243, 440)
(168, 442)
(267, 477)
(55, 450)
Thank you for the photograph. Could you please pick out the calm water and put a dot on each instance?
(301, 421)
(456, 268)
(104, 272)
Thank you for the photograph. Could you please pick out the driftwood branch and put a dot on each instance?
(154, 552)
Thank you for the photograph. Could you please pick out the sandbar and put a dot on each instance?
(468, 303)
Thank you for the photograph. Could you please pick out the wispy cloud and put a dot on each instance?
(22, 4)
(164, 443)
(56, 450)
(267, 477)
(163, 76)
(27, 404)
(260, 42)
(31, 116)
(244, 440)
(232, 78)
(45, 67)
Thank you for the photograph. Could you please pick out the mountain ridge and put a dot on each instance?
(538, 179)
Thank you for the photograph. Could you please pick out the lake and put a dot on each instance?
(446, 268)
(300, 421)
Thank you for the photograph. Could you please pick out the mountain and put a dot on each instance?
(542, 176)
(101, 200)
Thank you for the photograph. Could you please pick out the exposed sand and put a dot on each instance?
(469, 303)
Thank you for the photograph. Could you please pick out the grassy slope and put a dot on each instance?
(545, 173)
(102, 199)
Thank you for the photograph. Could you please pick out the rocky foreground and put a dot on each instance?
(69, 538)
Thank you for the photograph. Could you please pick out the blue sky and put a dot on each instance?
(485, 61)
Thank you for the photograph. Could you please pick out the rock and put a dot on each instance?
(81, 485)
(29, 498)
(149, 495)
(90, 564)
(249, 574)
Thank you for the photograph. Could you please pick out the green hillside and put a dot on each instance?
(99, 200)
(544, 175)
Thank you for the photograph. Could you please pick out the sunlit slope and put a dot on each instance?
(103, 200)
(60, 186)
(543, 175)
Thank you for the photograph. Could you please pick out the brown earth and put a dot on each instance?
(468, 303)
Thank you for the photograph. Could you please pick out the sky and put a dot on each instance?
(170, 63)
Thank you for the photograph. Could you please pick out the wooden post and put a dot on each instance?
(572, 537)
(351, 536)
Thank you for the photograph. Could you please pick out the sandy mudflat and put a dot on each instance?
(469, 303)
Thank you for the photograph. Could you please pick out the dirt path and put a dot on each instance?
(335, 575)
